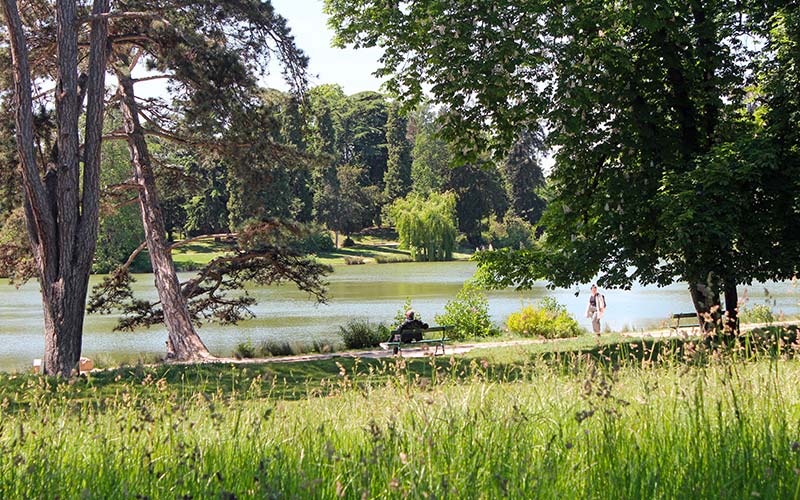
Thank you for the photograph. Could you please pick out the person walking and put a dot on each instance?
(596, 308)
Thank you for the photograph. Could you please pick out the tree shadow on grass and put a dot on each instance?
(178, 384)
(202, 248)
(361, 251)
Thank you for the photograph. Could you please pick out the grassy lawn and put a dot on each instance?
(639, 419)
(368, 250)
(198, 254)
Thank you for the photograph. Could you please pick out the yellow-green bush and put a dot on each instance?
(549, 320)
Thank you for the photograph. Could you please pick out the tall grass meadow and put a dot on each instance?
(640, 420)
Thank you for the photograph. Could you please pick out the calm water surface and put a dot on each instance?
(372, 291)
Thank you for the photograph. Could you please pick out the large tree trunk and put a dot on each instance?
(61, 219)
(184, 343)
(731, 320)
(705, 297)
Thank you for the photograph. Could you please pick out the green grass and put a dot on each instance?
(371, 253)
(649, 419)
(197, 254)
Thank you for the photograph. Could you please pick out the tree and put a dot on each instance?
(663, 168)
(397, 181)
(480, 195)
(478, 187)
(62, 208)
(363, 134)
(276, 183)
(210, 52)
(183, 342)
(326, 103)
(120, 231)
(207, 212)
(524, 177)
(345, 131)
(10, 194)
(294, 132)
(426, 226)
(346, 204)
(431, 157)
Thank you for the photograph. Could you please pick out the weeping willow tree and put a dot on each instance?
(426, 225)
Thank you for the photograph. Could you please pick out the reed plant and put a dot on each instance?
(642, 420)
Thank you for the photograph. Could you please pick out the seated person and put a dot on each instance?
(410, 324)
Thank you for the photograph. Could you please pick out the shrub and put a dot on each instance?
(316, 240)
(352, 261)
(322, 347)
(360, 333)
(759, 313)
(391, 259)
(270, 348)
(549, 320)
(468, 314)
(244, 350)
(511, 232)
(277, 348)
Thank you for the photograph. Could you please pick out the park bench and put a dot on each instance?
(438, 341)
(694, 324)
(679, 316)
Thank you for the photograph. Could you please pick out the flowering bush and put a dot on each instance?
(468, 314)
(549, 320)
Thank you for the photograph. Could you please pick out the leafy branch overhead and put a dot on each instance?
(264, 254)
(673, 127)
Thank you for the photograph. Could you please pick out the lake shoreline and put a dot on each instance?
(374, 293)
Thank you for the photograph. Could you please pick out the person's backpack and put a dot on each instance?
(605, 302)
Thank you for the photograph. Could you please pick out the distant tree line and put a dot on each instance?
(355, 156)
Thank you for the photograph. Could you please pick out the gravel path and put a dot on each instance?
(420, 352)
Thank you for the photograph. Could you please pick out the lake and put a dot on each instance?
(373, 291)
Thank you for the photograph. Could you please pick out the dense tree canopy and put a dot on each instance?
(675, 157)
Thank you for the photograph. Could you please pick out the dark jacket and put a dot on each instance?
(410, 324)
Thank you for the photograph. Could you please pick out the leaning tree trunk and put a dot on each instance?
(62, 218)
(184, 343)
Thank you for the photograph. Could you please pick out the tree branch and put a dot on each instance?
(120, 15)
(41, 224)
(164, 134)
(149, 78)
(95, 89)
(115, 136)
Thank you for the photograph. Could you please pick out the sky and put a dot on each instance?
(352, 69)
